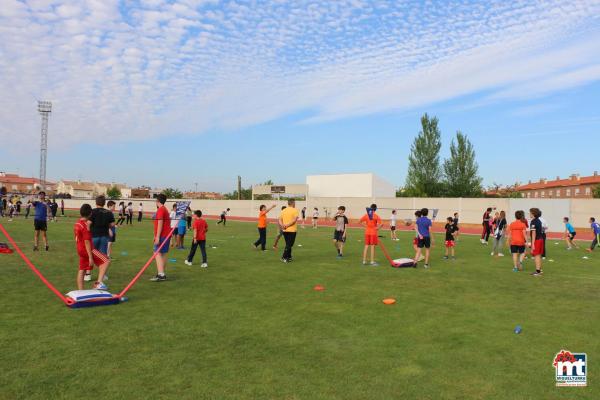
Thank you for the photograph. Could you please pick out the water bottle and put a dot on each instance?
(518, 329)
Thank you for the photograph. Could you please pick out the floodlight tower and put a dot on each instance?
(44, 108)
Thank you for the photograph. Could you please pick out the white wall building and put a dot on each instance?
(349, 185)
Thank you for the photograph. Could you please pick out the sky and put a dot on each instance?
(179, 93)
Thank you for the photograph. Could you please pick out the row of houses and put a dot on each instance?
(18, 184)
(575, 186)
(82, 189)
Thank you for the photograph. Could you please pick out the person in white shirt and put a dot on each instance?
(315, 218)
(129, 213)
(140, 212)
(393, 221)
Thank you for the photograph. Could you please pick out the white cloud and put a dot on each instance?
(157, 68)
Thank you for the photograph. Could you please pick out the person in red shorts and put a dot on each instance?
(372, 223)
(450, 229)
(536, 230)
(88, 256)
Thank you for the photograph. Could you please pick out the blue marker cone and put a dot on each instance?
(123, 253)
(172, 260)
(518, 329)
(124, 299)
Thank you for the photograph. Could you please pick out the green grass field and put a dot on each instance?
(250, 327)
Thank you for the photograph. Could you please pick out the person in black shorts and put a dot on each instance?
(339, 235)
(121, 213)
(570, 234)
(53, 209)
(223, 219)
(40, 221)
(112, 230)
(517, 232)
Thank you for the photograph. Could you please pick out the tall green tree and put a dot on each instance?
(424, 171)
(245, 195)
(596, 192)
(461, 172)
(113, 193)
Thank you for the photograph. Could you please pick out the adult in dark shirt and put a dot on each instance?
(101, 222)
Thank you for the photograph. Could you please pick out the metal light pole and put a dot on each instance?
(44, 108)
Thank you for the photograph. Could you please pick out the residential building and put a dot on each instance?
(76, 189)
(102, 188)
(203, 195)
(140, 193)
(19, 184)
(579, 187)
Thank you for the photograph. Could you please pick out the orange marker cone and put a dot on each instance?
(389, 301)
(319, 288)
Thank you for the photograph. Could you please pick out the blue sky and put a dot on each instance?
(170, 93)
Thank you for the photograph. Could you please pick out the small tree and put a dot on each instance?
(461, 177)
(424, 171)
(245, 195)
(172, 193)
(596, 192)
(113, 193)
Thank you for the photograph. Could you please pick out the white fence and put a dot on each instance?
(470, 209)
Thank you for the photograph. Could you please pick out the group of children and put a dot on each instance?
(525, 235)
(95, 232)
(522, 234)
(570, 233)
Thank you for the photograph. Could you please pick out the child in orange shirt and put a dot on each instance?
(372, 223)
(262, 227)
(517, 233)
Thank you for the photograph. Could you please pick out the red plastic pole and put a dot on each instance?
(386, 253)
(33, 268)
(139, 274)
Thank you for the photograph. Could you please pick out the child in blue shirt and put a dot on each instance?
(596, 231)
(424, 236)
(569, 234)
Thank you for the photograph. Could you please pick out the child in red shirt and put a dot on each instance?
(88, 256)
(200, 228)
(162, 237)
